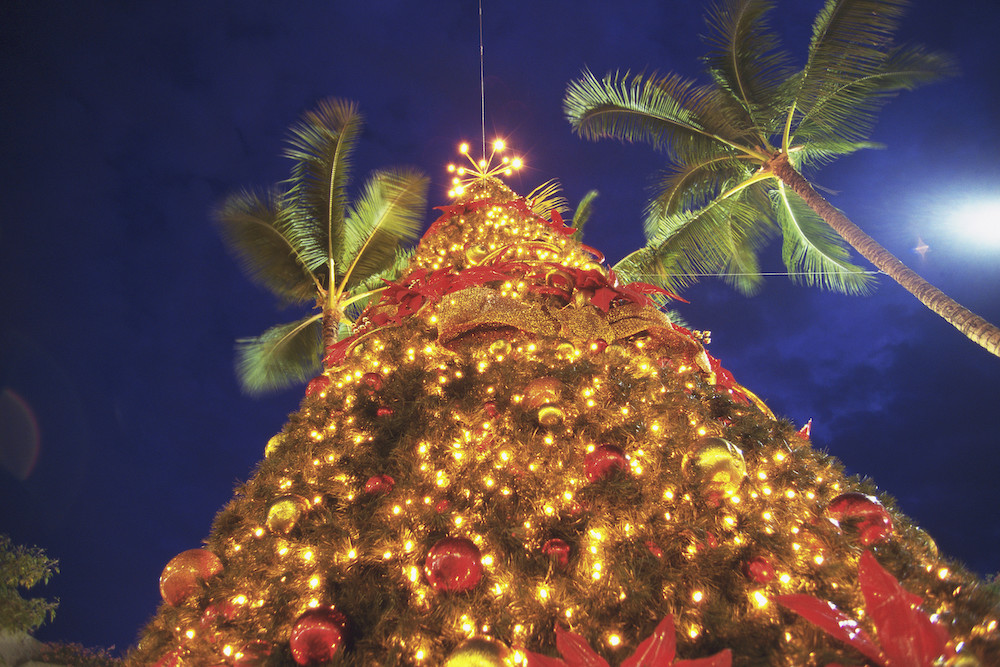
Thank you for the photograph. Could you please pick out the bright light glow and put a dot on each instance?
(977, 220)
(488, 166)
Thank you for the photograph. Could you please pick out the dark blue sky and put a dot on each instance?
(123, 123)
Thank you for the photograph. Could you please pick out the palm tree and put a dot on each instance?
(739, 146)
(304, 241)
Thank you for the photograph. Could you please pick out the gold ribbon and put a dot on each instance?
(482, 313)
(482, 308)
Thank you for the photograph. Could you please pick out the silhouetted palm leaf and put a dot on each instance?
(668, 112)
(305, 243)
(582, 213)
(321, 144)
(546, 198)
(746, 60)
(692, 184)
(812, 251)
(256, 228)
(711, 213)
(388, 211)
(684, 246)
(280, 357)
(848, 111)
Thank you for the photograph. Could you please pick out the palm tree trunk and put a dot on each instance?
(330, 327)
(973, 326)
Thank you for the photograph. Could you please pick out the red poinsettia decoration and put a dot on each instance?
(657, 650)
(907, 637)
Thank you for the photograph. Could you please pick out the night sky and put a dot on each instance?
(122, 124)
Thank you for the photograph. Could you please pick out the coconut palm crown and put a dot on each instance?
(738, 148)
(304, 241)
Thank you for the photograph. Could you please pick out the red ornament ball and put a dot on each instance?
(317, 385)
(598, 345)
(371, 382)
(557, 550)
(217, 613)
(759, 569)
(654, 548)
(380, 484)
(172, 659)
(453, 565)
(317, 636)
(604, 461)
(186, 572)
(862, 514)
(491, 409)
(384, 412)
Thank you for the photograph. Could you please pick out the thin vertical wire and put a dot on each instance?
(482, 79)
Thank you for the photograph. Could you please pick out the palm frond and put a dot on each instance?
(742, 271)
(849, 111)
(746, 60)
(668, 112)
(546, 198)
(641, 266)
(823, 150)
(369, 288)
(280, 357)
(851, 40)
(690, 244)
(389, 211)
(910, 66)
(692, 184)
(321, 144)
(582, 213)
(748, 235)
(813, 253)
(255, 227)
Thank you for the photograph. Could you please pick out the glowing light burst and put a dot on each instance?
(978, 220)
(494, 166)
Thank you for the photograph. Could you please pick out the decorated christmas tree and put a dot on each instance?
(515, 459)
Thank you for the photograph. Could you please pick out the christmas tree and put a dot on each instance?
(515, 459)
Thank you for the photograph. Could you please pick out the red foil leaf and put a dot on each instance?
(908, 636)
(721, 659)
(658, 649)
(834, 622)
(538, 660)
(576, 651)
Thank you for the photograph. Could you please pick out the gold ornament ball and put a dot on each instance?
(566, 350)
(542, 391)
(476, 253)
(185, 574)
(924, 538)
(500, 348)
(550, 415)
(285, 512)
(478, 652)
(273, 444)
(720, 464)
